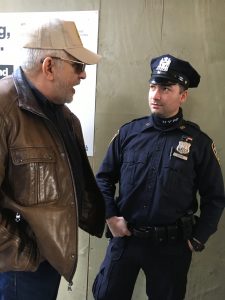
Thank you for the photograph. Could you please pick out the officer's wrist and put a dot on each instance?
(197, 245)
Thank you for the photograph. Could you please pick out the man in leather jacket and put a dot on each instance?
(47, 188)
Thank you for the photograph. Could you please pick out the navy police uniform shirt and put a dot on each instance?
(160, 169)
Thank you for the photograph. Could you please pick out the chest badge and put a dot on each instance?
(183, 148)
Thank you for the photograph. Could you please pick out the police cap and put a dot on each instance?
(167, 69)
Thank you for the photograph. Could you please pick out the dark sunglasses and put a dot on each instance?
(78, 66)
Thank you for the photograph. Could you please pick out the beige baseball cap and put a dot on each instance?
(57, 34)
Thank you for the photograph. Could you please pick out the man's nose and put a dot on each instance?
(83, 75)
(156, 94)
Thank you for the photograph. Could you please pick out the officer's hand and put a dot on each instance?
(118, 226)
(195, 245)
(190, 245)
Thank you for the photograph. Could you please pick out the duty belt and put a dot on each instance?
(182, 229)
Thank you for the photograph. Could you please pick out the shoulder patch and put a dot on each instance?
(215, 151)
(115, 135)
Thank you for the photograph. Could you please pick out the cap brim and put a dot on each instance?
(162, 80)
(84, 55)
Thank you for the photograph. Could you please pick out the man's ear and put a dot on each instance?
(47, 68)
(183, 97)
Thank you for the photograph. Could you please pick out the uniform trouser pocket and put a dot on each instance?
(114, 252)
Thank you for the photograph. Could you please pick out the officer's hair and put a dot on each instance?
(182, 88)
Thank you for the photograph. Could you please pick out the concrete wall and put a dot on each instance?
(130, 33)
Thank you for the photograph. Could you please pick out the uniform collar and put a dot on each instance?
(165, 124)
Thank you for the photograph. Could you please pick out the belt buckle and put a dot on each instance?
(160, 234)
(172, 232)
(142, 232)
(144, 229)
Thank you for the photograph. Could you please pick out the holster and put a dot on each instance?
(187, 224)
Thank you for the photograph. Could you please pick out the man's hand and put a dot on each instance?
(118, 226)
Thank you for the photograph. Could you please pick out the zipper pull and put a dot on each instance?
(70, 286)
(17, 217)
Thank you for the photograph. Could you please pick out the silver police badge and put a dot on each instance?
(183, 147)
(182, 151)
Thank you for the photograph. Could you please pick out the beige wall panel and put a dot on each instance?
(130, 33)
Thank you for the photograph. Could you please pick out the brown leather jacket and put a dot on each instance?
(38, 207)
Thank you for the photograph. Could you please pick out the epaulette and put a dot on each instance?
(137, 119)
(192, 124)
(193, 129)
(127, 124)
(190, 128)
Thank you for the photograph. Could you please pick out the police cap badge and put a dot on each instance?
(167, 69)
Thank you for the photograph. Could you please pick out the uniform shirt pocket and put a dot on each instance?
(134, 166)
(179, 180)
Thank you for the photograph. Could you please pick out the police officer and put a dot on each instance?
(161, 162)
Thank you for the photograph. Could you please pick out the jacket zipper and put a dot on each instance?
(69, 288)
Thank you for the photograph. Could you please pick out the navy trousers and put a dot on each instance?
(40, 285)
(165, 267)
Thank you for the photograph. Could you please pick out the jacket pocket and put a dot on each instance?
(33, 177)
(13, 257)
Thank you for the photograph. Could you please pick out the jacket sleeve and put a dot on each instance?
(108, 176)
(17, 251)
(211, 190)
